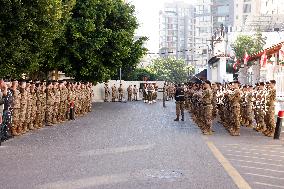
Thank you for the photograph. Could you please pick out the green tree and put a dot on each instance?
(249, 44)
(170, 69)
(28, 30)
(139, 73)
(100, 40)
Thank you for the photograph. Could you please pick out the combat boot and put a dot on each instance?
(182, 117)
(177, 119)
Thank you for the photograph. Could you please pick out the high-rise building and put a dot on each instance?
(202, 33)
(223, 13)
(176, 30)
(242, 10)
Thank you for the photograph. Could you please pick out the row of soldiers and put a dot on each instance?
(236, 106)
(32, 104)
(150, 93)
(114, 93)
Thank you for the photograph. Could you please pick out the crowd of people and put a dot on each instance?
(149, 93)
(237, 105)
(30, 105)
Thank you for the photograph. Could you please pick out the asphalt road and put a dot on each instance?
(131, 146)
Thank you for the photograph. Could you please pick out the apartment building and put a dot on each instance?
(176, 29)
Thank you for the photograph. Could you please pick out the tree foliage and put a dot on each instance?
(249, 44)
(170, 69)
(88, 40)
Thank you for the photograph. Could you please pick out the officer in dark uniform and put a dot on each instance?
(180, 100)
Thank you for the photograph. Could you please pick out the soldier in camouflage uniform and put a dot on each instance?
(270, 111)
(207, 96)
(16, 121)
(49, 104)
(23, 107)
(33, 123)
(235, 98)
(120, 93)
(107, 93)
(260, 108)
(56, 92)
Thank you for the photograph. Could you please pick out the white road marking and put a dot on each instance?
(252, 157)
(272, 170)
(270, 185)
(117, 150)
(256, 153)
(277, 165)
(266, 176)
(261, 150)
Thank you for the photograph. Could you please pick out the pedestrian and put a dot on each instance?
(180, 100)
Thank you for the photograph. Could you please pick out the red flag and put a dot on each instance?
(246, 58)
(263, 60)
(281, 53)
(236, 64)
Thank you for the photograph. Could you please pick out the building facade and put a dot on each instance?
(223, 13)
(176, 30)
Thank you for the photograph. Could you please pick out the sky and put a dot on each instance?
(147, 12)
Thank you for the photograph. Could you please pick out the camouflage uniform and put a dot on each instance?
(120, 93)
(207, 96)
(270, 113)
(16, 121)
(49, 106)
(107, 93)
(235, 123)
(113, 93)
(24, 114)
(33, 110)
(55, 115)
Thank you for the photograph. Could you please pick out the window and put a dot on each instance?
(247, 8)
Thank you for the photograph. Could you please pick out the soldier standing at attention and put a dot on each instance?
(207, 96)
(28, 101)
(34, 106)
(179, 97)
(23, 107)
(107, 92)
(38, 105)
(113, 93)
(16, 108)
(129, 92)
(120, 93)
(49, 104)
(270, 112)
(236, 108)
(135, 92)
(56, 92)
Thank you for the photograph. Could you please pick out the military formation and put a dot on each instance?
(149, 91)
(31, 105)
(115, 94)
(232, 104)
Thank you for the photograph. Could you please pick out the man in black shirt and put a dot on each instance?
(179, 97)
